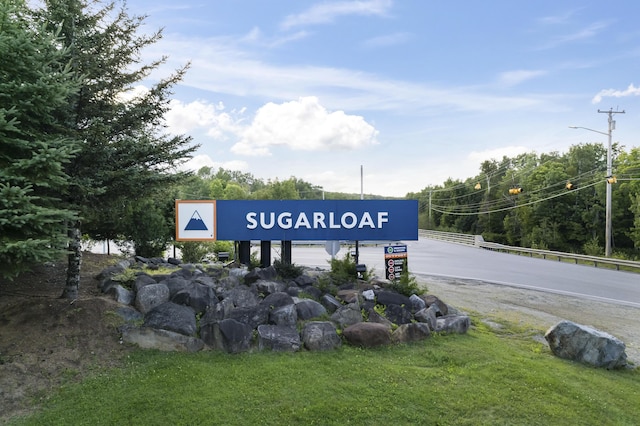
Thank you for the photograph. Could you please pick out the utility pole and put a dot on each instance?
(608, 227)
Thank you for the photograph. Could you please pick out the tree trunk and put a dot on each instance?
(72, 286)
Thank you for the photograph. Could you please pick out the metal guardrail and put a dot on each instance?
(478, 241)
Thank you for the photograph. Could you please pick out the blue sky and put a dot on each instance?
(415, 92)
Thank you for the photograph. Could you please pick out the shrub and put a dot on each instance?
(406, 284)
(287, 270)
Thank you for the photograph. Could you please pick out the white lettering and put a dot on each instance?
(318, 220)
(302, 221)
(272, 220)
(332, 222)
(353, 220)
(366, 221)
(383, 217)
(251, 218)
(284, 220)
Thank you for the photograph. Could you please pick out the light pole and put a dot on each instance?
(608, 227)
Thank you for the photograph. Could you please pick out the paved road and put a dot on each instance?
(431, 257)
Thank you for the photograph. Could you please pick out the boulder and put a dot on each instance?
(320, 336)
(398, 314)
(196, 295)
(367, 335)
(392, 298)
(417, 303)
(587, 345)
(450, 324)
(278, 338)
(142, 280)
(162, 340)
(330, 303)
(412, 332)
(430, 299)
(267, 287)
(347, 315)
(236, 336)
(309, 309)
(253, 316)
(121, 294)
(173, 317)
(284, 315)
(150, 296)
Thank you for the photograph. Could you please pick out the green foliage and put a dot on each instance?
(195, 251)
(35, 84)
(342, 270)
(593, 247)
(287, 270)
(406, 284)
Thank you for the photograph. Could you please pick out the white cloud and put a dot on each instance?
(304, 125)
(630, 91)
(513, 78)
(327, 12)
(199, 161)
(477, 157)
(185, 117)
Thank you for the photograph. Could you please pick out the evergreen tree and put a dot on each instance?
(34, 87)
(125, 153)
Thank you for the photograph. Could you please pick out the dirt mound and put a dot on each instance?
(46, 341)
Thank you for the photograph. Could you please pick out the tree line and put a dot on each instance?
(550, 201)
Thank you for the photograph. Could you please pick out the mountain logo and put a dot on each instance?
(196, 223)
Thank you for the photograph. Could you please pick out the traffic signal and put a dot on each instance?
(514, 191)
(611, 179)
(570, 186)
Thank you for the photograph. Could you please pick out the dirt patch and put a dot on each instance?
(46, 341)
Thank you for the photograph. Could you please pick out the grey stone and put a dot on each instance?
(150, 296)
(309, 309)
(173, 317)
(450, 324)
(587, 345)
(163, 340)
(412, 332)
(320, 336)
(366, 334)
(236, 336)
(278, 338)
(284, 315)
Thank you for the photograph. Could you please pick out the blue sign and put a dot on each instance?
(294, 220)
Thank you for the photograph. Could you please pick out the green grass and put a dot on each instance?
(485, 377)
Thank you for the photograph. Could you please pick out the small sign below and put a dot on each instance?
(395, 259)
(195, 220)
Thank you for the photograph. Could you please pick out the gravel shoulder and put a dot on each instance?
(537, 309)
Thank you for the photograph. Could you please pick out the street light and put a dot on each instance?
(612, 125)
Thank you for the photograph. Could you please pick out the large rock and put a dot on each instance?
(236, 336)
(173, 317)
(242, 296)
(150, 296)
(278, 338)
(162, 340)
(587, 345)
(196, 295)
(451, 324)
(253, 316)
(411, 333)
(309, 309)
(392, 298)
(320, 336)
(121, 294)
(367, 335)
(284, 315)
(347, 315)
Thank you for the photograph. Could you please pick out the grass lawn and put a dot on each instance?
(485, 377)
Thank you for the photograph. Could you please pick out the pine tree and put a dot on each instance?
(34, 87)
(125, 154)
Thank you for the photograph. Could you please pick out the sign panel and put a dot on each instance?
(292, 220)
(195, 220)
(395, 261)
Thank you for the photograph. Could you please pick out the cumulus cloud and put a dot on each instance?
(185, 117)
(304, 125)
(629, 91)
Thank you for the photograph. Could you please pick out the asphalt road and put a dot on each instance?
(438, 258)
